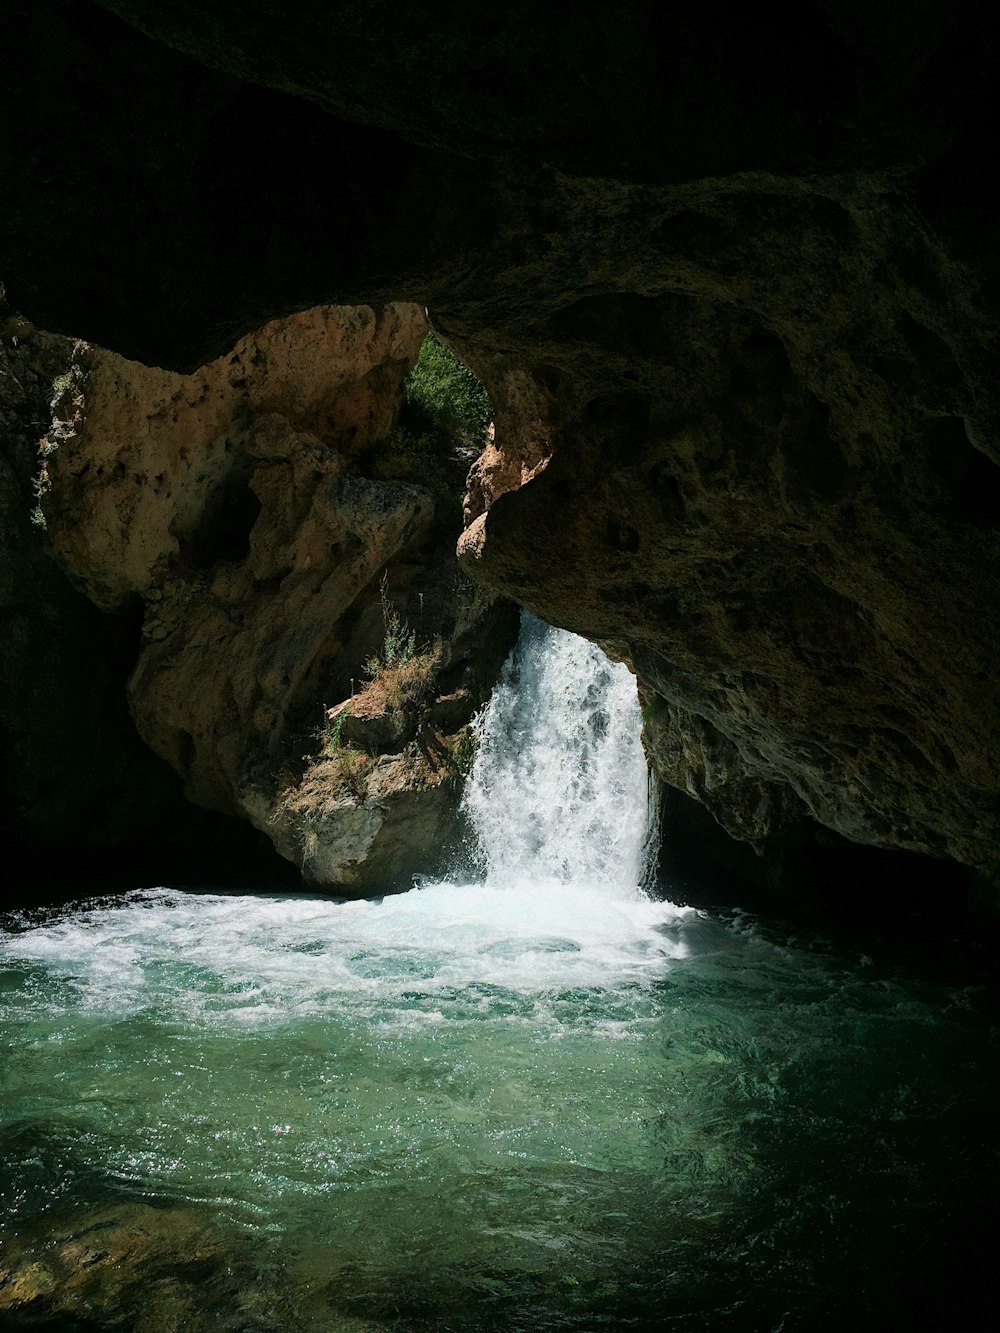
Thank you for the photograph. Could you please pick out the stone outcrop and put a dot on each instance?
(79, 792)
(233, 508)
(381, 799)
(804, 575)
(729, 275)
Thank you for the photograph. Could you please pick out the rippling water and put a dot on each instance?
(539, 1100)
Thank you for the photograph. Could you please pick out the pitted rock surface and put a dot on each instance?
(730, 276)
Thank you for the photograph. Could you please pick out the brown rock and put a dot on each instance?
(812, 611)
(156, 473)
(243, 533)
(730, 276)
(381, 803)
(77, 785)
(162, 1269)
(131, 1261)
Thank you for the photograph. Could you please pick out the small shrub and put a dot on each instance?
(346, 765)
(349, 768)
(329, 735)
(406, 684)
(400, 643)
(61, 386)
(404, 454)
(331, 764)
(464, 751)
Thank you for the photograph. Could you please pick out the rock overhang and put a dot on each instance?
(733, 277)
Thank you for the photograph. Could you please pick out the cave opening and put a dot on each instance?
(559, 1021)
(757, 258)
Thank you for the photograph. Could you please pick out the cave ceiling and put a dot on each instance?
(730, 274)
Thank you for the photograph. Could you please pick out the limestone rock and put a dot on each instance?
(381, 800)
(234, 507)
(728, 272)
(805, 576)
(156, 472)
(398, 817)
(241, 533)
(76, 783)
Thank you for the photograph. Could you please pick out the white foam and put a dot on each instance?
(558, 799)
(255, 957)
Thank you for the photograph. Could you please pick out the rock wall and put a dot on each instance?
(805, 578)
(230, 512)
(82, 799)
(729, 274)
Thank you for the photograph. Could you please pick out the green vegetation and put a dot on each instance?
(426, 459)
(400, 675)
(39, 486)
(351, 765)
(403, 452)
(445, 414)
(329, 735)
(400, 643)
(443, 395)
(464, 749)
(409, 684)
(62, 384)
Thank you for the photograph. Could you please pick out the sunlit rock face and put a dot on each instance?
(212, 499)
(236, 509)
(729, 276)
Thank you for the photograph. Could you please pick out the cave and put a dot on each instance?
(751, 259)
(729, 281)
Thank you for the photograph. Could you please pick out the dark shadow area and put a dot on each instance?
(816, 879)
(205, 851)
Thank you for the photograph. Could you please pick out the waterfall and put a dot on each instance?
(558, 807)
(529, 1097)
(559, 791)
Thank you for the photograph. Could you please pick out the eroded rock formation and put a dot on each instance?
(728, 273)
(79, 792)
(233, 508)
(797, 554)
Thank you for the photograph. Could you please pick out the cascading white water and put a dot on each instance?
(558, 801)
(559, 791)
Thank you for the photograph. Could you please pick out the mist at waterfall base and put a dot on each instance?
(529, 1097)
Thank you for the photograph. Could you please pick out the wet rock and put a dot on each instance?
(153, 1266)
(163, 1269)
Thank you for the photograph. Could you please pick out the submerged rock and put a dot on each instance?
(162, 1269)
(153, 1266)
